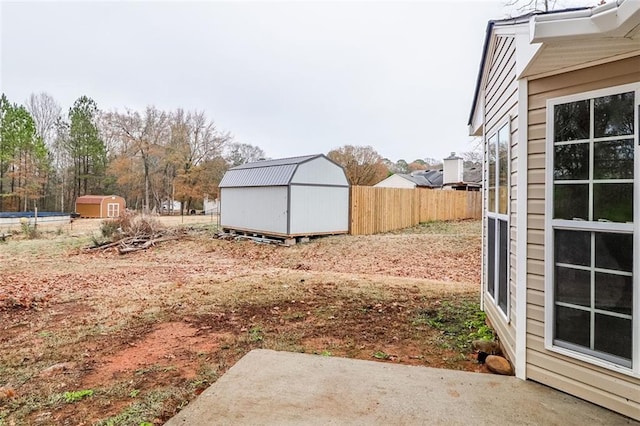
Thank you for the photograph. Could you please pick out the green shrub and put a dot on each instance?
(30, 231)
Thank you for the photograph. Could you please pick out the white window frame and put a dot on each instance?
(551, 224)
(506, 315)
(111, 207)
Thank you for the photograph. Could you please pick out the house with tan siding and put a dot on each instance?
(557, 104)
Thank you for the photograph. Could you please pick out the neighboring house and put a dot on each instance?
(211, 206)
(169, 206)
(100, 206)
(453, 175)
(417, 179)
(557, 103)
(289, 197)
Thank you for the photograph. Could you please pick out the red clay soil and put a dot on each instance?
(149, 331)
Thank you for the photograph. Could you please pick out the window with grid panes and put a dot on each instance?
(593, 146)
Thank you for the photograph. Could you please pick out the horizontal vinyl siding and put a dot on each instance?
(581, 390)
(608, 388)
(501, 107)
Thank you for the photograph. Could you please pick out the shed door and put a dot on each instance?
(113, 210)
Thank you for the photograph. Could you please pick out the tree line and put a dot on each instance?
(150, 157)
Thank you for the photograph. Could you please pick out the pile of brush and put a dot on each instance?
(131, 232)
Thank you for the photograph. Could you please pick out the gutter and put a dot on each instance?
(614, 19)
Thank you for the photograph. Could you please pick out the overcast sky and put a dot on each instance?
(293, 78)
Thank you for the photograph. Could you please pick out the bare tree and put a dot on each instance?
(241, 153)
(62, 163)
(474, 155)
(143, 136)
(527, 6)
(45, 112)
(432, 163)
(363, 165)
(110, 134)
(194, 151)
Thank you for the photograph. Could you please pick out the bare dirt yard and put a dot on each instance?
(94, 337)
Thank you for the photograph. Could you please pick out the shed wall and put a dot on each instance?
(610, 389)
(320, 171)
(105, 207)
(500, 108)
(100, 207)
(88, 210)
(319, 210)
(262, 209)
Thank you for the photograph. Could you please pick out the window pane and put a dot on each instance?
(491, 257)
(571, 201)
(503, 169)
(571, 161)
(613, 115)
(571, 121)
(573, 247)
(613, 336)
(613, 202)
(572, 326)
(613, 160)
(573, 286)
(491, 171)
(504, 253)
(492, 200)
(614, 293)
(504, 192)
(614, 251)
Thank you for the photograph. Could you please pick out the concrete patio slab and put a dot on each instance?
(283, 388)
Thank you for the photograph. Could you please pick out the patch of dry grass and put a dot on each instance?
(213, 301)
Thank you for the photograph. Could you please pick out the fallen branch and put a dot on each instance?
(124, 248)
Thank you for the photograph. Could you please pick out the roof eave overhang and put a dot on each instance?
(616, 19)
(476, 122)
(515, 27)
(609, 23)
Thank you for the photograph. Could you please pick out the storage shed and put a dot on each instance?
(100, 206)
(289, 197)
(557, 103)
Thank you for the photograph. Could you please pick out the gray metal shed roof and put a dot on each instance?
(277, 162)
(264, 173)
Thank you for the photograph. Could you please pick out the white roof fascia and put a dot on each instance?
(476, 127)
(499, 29)
(525, 50)
(613, 20)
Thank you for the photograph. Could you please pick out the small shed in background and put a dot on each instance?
(289, 197)
(100, 206)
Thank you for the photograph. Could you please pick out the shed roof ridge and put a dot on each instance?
(276, 162)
